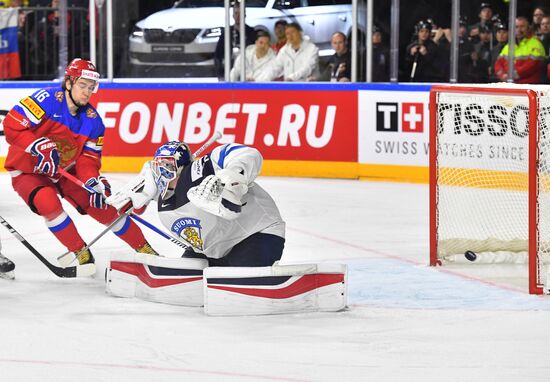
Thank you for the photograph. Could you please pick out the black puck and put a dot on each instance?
(470, 255)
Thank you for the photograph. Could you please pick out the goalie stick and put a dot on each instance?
(78, 182)
(69, 272)
(217, 135)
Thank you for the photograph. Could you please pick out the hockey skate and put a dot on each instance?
(147, 249)
(6, 268)
(84, 256)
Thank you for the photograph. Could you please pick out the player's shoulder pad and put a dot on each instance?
(40, 104)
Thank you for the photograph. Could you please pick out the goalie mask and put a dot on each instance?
(169, 161)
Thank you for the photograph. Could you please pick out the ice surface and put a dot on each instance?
(405, 322)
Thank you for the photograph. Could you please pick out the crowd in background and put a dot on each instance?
(482, 49)
(39, 33)
(291, 56)
(482, 52)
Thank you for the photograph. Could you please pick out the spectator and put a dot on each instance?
(250, 37)
(48, 29)
(501, 38)
(529, 56)
(545, 34)
(298, 60)
(482, 55)
(339, 64)
(380, 57)
(280, 35)
(421, 55)
(257, 58)
(538, 14)
(485, 16)
(442, 38)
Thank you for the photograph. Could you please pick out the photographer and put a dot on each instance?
(421, 55)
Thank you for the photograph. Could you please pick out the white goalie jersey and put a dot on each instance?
(206, 232)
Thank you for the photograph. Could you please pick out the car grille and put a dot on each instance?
(175, 58)
(178, 36)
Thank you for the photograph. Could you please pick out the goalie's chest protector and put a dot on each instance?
(210, 234)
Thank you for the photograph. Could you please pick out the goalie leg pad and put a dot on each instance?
(158, 279)
(236, 291)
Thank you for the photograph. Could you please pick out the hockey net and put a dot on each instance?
(490, 176)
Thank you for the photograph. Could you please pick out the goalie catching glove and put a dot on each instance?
(102, 190)
(220, 194)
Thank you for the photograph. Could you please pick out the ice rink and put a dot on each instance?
(405, 321)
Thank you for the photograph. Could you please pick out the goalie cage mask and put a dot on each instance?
(169, 161)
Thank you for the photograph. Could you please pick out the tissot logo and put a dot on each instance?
(386, 116)
(411, 117)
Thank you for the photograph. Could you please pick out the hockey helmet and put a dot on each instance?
(80, 68)
(169, 161)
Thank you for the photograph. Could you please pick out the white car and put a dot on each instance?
(187, 33)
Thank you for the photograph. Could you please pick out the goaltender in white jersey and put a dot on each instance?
(212, 203)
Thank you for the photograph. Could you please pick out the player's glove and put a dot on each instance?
(47, 156)
(102, 190)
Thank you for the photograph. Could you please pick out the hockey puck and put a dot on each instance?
(470, 255)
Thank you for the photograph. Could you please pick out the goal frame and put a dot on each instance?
(533, 159)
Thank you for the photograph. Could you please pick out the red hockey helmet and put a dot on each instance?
(80, 68)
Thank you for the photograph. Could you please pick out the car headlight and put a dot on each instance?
(213, 32)
(137, 32)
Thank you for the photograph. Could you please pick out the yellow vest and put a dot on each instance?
(7, 3)
(528, 47)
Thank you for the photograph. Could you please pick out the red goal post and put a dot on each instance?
(487, 175)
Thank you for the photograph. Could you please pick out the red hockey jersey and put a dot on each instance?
(79, 138)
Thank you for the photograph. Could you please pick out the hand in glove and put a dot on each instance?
(47, 156)
(102, 190)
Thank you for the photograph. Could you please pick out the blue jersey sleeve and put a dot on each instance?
(37, 106)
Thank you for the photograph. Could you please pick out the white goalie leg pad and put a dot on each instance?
(174, 281)
(235, 291)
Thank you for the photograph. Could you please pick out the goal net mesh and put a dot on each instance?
(482, 189)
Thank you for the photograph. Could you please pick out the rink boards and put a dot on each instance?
(376, 131)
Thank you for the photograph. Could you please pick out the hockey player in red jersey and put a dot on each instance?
(57, 127)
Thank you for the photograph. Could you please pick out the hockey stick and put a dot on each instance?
(78, 182)
(69, 257)
(217, 135)
(69, 272)
(159, 231)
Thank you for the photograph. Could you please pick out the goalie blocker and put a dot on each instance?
(225, 291)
